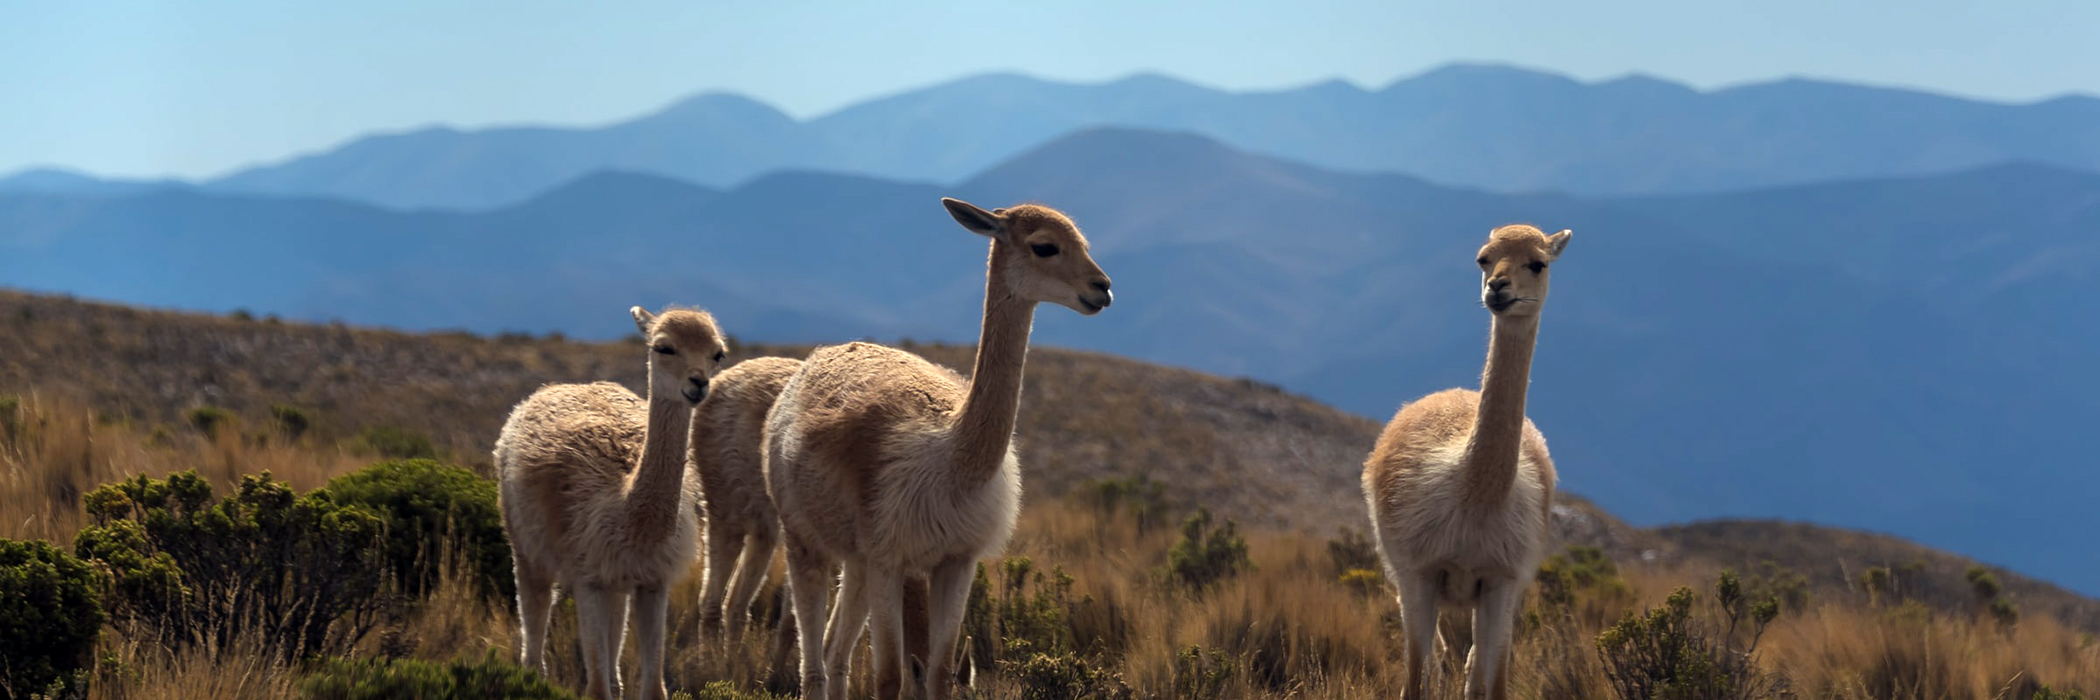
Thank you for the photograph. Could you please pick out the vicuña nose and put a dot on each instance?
(1101, 284)
(1496, 285)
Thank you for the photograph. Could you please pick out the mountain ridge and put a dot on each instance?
(1874, 354)
(1497, 127)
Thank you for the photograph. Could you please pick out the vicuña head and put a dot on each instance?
(1040, 253)
(686, 348)
(1515, 266)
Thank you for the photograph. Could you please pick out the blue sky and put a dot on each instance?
(200, 88)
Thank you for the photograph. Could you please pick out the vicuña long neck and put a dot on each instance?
(659, 480)
(985, 424)
(1498, 425)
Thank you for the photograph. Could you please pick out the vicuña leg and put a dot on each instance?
(723, 544)
(593, 618)
(651, 606)
(947, 599)
(535, 608)
(842, 635)
(1418, 605)
(809, 583)
(751, 566)
(885, 601)
(1493, 619)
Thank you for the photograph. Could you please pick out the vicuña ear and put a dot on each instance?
(1559, 242)
(642, 318)
(977, 220)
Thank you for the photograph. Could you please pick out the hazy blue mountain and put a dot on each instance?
(1906, 355)
(1490, 127)
(66, 181)
(712, 138)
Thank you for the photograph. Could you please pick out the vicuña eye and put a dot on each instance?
(1483, 261)
(666, 350)
(1537, 267)
(719, 355)
(1043, 250)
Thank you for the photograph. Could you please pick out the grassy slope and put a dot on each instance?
(1249, 451)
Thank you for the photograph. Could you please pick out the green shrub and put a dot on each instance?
(11, 419)
(1777, 582)
(305, 574)
(1142, 498)
(2005, 612)
(1675, 652)
(1204, 555)
(1580, 573)
(1200, 674)
(432, 510)
(724, 690)
(1032, 607)
(50, 614)
(1033, 613)
(291, 421)
(209, 420)
(1983, 583)
(461, 679)
(1064, 676)
(1878, 583)
(1354, 551)
(397, 443)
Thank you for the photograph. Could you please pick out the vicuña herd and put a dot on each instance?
(888, 478)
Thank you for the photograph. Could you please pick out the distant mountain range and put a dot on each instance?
(1907, 355)
(1488, 127)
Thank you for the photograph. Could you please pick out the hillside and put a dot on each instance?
(1084, 415)
(1883, 354)
(1469, 125)
(1270, 459)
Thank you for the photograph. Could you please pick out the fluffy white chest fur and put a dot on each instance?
(929, 518)
(1428, 526)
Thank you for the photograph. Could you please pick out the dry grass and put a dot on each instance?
(53, 451)
(1290, 626)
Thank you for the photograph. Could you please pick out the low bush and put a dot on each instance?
(1143, 499)
(397, 443)
(1031, 623)
(1353, 551)
(376, 679)
(292, 421)
(305, 574)
(1206, 555)
(1677, 652)
(1201, 674)
(50, 615)
(11, 420)
(1063, 676)
(209, 420)
(724, 690)
(433, 510)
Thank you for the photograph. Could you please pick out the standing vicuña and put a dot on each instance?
(895, 467)
(742, 527)
(1460, 483)
(596, 499)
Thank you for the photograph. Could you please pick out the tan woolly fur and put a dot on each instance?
(595, 498)
(1460, 483)
(891, 468)
(743, 530)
